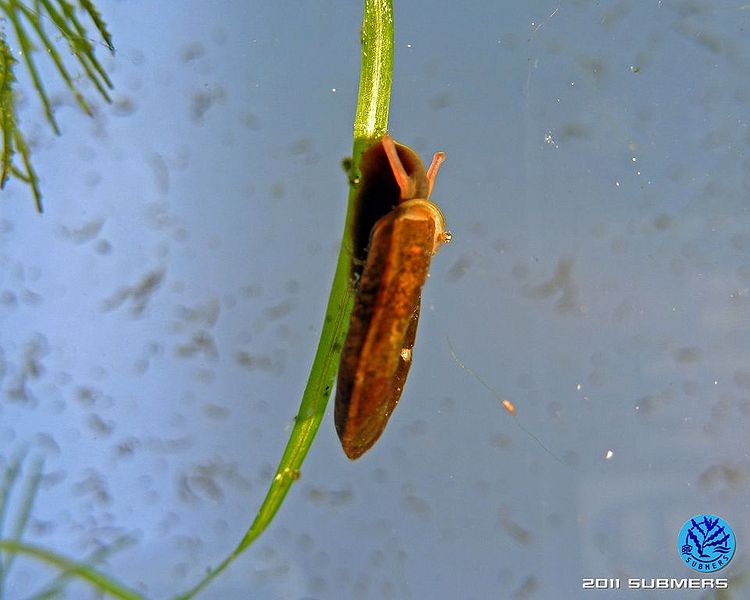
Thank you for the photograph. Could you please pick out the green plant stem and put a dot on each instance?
(54, 588)
(101, 582)
(27, 51)
(22, 519)
(10, 477)
(370, 123)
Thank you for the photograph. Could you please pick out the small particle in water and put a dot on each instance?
(662, 222)
(500, 246)
(160, 172)
(507, 404)
(460, 266)
(292, 286)
(139, 293)
(609, 454)
(441, 100)
(562, 282)
(687, 355)
(326, 497)
(214, 411)
(201, 342)
(124, 106)
(83, 233)
(277, 191)
(278, 311)
(206, 313)
(415, 504)
(518, 533)
(191, 51)
(731, 476)
(250, 121)
(103, 247)
(203, 100)
(100, 426)
(8, 298)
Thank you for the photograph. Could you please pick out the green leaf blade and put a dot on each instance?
(370, 123)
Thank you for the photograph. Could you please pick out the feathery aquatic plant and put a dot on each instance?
(28, 26)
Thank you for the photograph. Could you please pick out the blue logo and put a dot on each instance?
(706, 543)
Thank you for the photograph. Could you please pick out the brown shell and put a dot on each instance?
(377, 354)
(398, 230)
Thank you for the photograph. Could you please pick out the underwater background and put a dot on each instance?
(158, 321)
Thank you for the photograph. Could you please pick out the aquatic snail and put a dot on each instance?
(397, 231)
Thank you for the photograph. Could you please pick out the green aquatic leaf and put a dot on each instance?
(370, 123)
(101, 582)
(17, 474)
(28, 27)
